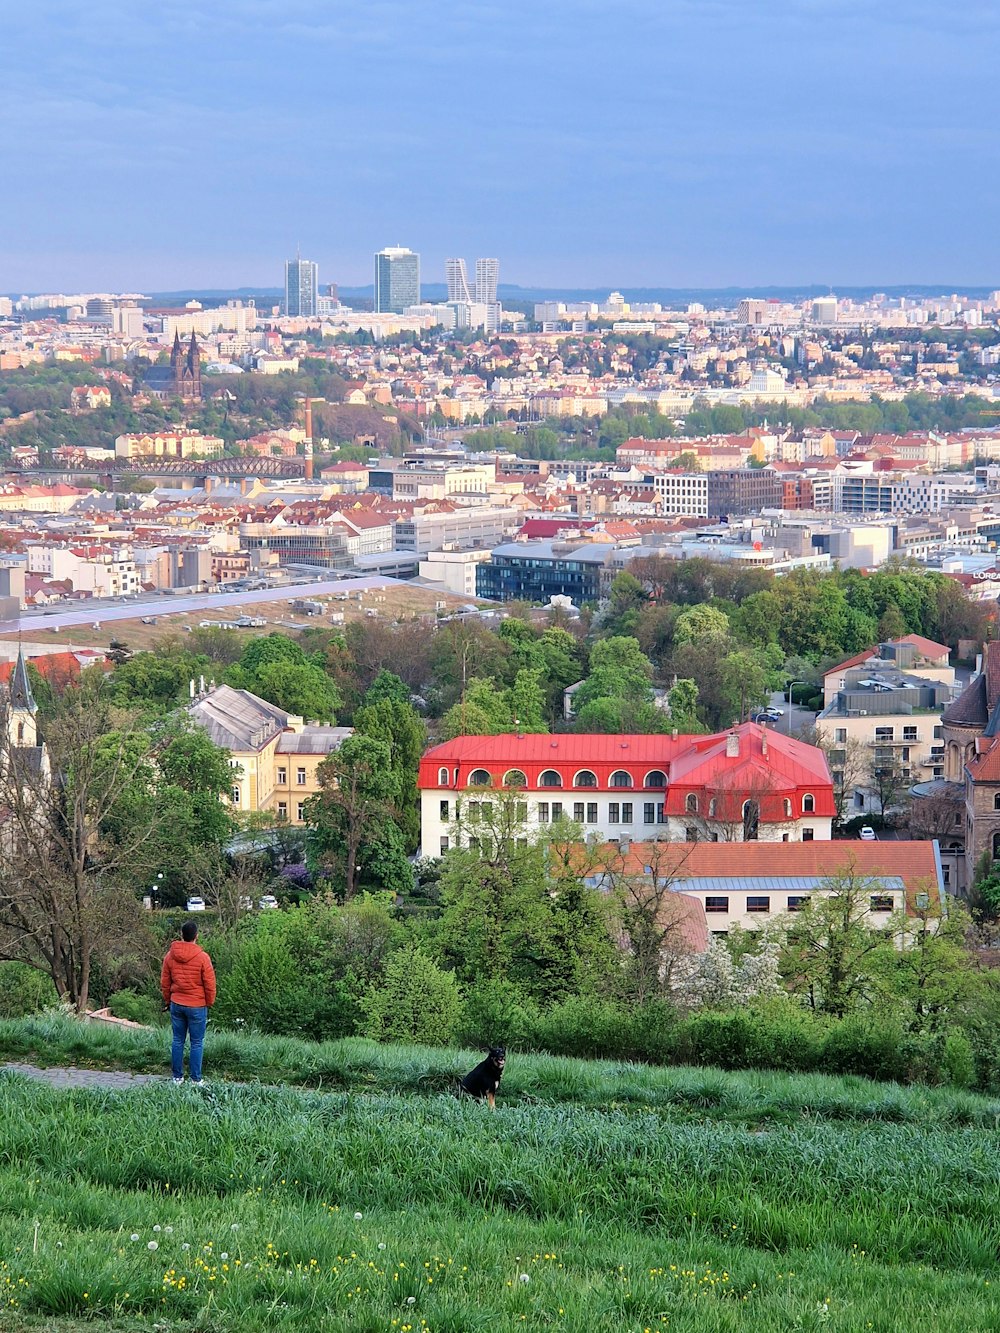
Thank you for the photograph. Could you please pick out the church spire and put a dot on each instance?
(21, 698)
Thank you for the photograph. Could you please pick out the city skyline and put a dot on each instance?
(785, 144)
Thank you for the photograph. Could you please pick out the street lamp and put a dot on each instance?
(791, 704)
(155, 890)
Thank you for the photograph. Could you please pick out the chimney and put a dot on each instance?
(309, 460)
(763, 741)
(733, 745)
(309, 420)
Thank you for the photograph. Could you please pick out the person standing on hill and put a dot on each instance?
(187, 982)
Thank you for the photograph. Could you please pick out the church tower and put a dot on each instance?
(177, 362)
(21, 708)
(192, 370)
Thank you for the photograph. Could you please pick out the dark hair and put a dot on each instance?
(189, 931)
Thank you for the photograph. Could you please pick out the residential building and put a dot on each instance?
(301, 288)
(458, 281)
(487, 280)
(456, 570)
(743, 491)
(749, 884)
(275, 755)
(169, 445)
(682, 493)
(439, 526)
(914, 654)
(747, 784)
(538, 571)
(397, 280)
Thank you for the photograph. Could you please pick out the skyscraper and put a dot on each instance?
(301, 287)
(458, 280)
(487, 278)
(397, 279)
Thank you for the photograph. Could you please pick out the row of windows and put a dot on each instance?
(761, 902)
(300, 777)
(618, 812)
(514, 777)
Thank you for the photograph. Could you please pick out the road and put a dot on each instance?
(213, 602)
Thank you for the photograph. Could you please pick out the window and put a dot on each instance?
(442, 777)
(882, 902)
(996, 844)
(649, 812)
(585, 778)
(996, 801)
(578, 811)
(808, 804)
(620, 779)
(788, 808)
(883, 733)
(751, 821)
(282, 809)
(840, 735)
(796, 901)
(521, 812)
(514, 778)
(556, 810)
(711, 808)
(690, 833)
(444, 845)
(938, 733)
(661, 813)
(550, 778)
(235, 795)
(657, 778)
(910, 734)
(543, 812)
(443, 810)
(300, 777)
(758, 902)
(591, 812)
(282, 777)
(691, 803)
(716, 902)
(808, 835)
(614, 812)
(479, 778)
(472, 812)
(301, 811)
(626, 812)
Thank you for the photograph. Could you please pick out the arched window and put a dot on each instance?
(514, 778)
(585, 778)
(996, 801)
(691, 803)
(479, 778)
(20, 732)
(442, 777)
(788, 807)
(657, 778)
(550, 778)
(808, 804)
(996, 846)
(620, 779)
(711, 808)
(751, 821)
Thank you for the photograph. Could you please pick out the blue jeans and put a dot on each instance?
(187, 1021)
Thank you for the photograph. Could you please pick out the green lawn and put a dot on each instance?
(682, 1200)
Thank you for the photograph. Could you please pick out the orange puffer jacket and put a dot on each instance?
(187, 976)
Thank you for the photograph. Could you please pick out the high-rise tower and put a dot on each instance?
(397, 279)
(301, 287)
(458, 280)
(487, 280)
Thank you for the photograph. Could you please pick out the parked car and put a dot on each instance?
(867, 834)
(774, 712)
(268, 900)
(196, 904)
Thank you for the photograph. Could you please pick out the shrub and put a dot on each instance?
(415, 1001)
(876, 1048)
(585, 1025)
(23, 990)
(138, 1008)
(498, 1012)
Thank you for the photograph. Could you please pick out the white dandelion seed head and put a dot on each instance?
(135, 1235)
(157, 1227)
(153, 1245)
(411, 1300)
(235, 1226)
(357, 1217)
(381, 1244)
(223, 1255)
(169, 1230)
(185, 1246)
(525, 1277)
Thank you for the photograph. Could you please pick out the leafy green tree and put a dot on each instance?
(701, 622)
(388, 716)
(414, 1002)
(683, 701)
(619, 669)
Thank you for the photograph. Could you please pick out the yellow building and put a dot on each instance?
(275, 755)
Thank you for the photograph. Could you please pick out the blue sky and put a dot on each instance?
(627, 143)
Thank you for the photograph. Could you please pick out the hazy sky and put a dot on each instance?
(623, 143)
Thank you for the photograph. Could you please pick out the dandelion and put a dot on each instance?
(381, 1244)
(185, 1246)
(357, 1217)
(525, 1277)
(223, 1255)
(169, 1230)
(411, 1300)
(235, 1226)
(157, 1227)
(153, 1245)
(135, 1235)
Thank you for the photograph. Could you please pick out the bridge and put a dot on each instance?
(249, 465)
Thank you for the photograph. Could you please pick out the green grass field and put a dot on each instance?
(597, 1197)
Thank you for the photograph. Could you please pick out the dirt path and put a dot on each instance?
(71, 1077)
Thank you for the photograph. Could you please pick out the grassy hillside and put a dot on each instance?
(595, 1198)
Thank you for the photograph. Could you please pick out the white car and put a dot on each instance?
(196, 904)
(867, 834)
(268, 900)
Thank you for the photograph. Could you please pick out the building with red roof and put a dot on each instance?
(745, 784)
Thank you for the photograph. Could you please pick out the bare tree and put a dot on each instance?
(64, 907)
(850, 764)
(739, 813)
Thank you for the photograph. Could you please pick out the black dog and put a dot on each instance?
(484, 1080)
